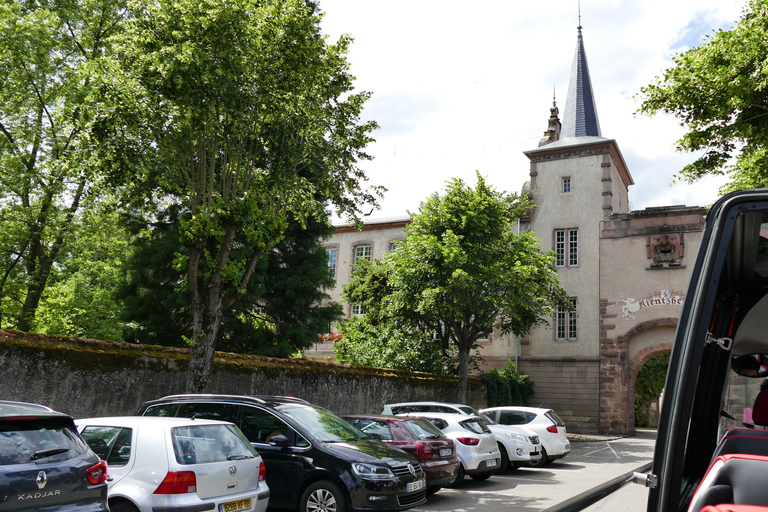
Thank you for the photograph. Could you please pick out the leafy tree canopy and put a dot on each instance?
(719, 91)
(462, 272)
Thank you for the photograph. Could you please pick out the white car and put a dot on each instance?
(545, 422)
(161, 463)
(476, 446)
(518, 445)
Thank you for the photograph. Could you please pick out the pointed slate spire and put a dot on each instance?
(580, 116)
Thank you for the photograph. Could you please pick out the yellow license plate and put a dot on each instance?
(235, 506)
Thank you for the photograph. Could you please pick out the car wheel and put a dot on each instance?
(122, 506)
(432, 490)
(516, 465)
(481, 476)
(323, 496)
(540, 462)
(504, 462)
(459, 477)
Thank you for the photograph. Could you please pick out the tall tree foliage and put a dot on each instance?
(719, 92)
(462, 272)
(47, 167)
(241, 114)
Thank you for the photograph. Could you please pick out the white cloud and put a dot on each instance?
(459, 87)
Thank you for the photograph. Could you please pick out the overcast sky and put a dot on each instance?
(465, 86)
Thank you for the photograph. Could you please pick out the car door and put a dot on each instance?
(730, 266)
(114, 445)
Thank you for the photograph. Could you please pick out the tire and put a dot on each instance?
(504, 461)
(456, 481)
(122, 506)
(323, 496)
(432, 490)
(516, 465)
(481, 476)
(539, 463)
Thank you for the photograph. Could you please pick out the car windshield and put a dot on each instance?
(38, 440)
(322, 424)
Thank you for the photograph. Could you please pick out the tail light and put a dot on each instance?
(552, 429)
(97, 474)
(262, 472)
(470, 441)
(179, 482)
(423, 451)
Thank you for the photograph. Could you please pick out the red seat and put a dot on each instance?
(733, 479)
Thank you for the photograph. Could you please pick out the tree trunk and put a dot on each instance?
(463, 372)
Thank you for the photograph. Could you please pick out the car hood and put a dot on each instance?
(368, 450)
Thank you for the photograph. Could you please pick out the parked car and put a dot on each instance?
(177, 463)
(315, 460)
(434, 450)
(544, 422)
(476, 446)
(518, 445)
(45, 464)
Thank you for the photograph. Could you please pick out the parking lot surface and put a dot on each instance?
(593, 460)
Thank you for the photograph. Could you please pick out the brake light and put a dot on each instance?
(423, 451)
(179, 482)
(552, 429)
(470, 441)
(20, 418)
(262, 472)
(97, 474)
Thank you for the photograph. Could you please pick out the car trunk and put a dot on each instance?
(218, 479)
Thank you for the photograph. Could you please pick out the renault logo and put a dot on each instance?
(412, 470)
(232, 469)
(41, 479)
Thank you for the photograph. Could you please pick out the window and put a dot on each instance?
(566, 247)
(565, 322)
(394, 244)
(358, 310)
(362, 252)
(566, 184)
(332, 253)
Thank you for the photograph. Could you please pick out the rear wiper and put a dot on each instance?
(41, 454)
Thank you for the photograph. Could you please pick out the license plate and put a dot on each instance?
(445, 452)
(415, 486)
(235, 506)
(490, 463)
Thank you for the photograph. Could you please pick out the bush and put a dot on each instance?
(508, 386)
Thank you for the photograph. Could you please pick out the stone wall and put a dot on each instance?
(95, 378)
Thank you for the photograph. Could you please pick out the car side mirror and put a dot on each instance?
(279, 440)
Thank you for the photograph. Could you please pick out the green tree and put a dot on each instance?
(284, 308)
(244, 116)
(649, 385)
(719, 92)
(463, 272)
(46, 152)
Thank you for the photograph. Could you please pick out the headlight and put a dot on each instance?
(372, 472)
(517, 437)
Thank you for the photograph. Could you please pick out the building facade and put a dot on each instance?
(626, 272)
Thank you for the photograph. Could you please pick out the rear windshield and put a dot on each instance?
(202, 444)
(475, 425)
(39, 440)
(423, 429)
(554, 417)
(322, 424)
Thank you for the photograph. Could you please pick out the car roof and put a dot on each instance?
(155, 421)
(429, 403)
(538, 410)
(10, 409)
(447, 416)
(270, 400)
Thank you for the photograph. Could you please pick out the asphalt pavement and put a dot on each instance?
(593, 460)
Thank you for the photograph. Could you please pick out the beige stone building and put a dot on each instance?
(626, 272)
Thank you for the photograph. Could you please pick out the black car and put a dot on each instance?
(44, 463)
(315, 460)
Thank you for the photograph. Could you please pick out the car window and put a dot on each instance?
(41, 440)
(513, 418)
(422, 429)
(554, 417)
(260, 426)
(202, 444)
(405, 409)
(161, 410)
(474, 425)
(321, 423)
(209, 410)
(112, 444)
(377, 429)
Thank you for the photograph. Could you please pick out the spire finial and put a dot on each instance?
(554, 100)
(579, 7)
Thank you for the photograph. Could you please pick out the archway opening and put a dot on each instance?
(649, 389)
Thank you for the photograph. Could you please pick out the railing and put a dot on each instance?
(587, 498)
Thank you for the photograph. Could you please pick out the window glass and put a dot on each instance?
(437, 422)
(260, 426)
(202, 444)
(112, 444)
(512, 418)
(332, 254)
(210, 411)
(566, 322)
(422, 429)
(362, 252)
(566, 184)
(162, 410)
(39, 441)
(376, 429)
(358, 310)
(555, 418)
(566, 247)
(321, 423)
(475, 426)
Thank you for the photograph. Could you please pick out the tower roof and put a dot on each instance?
(580, 115)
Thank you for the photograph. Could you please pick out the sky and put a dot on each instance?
(460, 87)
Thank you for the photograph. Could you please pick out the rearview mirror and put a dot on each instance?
(751, 365)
